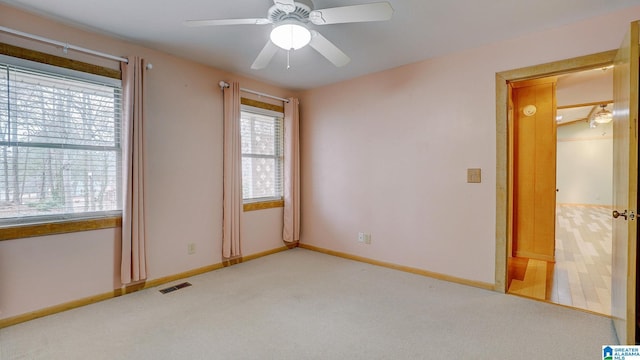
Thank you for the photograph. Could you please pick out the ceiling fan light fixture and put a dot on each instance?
(290, 36)
(603, 116)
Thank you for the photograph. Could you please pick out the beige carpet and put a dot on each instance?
(304, 305)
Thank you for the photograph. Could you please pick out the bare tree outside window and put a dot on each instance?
(59, 145)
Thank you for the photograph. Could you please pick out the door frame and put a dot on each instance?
(504, 149)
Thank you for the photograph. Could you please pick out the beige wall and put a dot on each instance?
(184, 183)
(387, 153)
(585, 164)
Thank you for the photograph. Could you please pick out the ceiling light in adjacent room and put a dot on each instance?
(603, 116)
(290, 36)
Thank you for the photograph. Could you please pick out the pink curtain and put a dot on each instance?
(291, 228)
(134, 263)
(232, 173)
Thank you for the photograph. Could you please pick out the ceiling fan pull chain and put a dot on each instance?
(288, 59)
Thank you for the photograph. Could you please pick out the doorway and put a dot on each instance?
(570, 263)
(624, 307)
(504, 200)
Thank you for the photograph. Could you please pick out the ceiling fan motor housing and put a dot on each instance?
(300, 14)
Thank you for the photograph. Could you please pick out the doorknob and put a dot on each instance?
(617, 214)
(624, 214)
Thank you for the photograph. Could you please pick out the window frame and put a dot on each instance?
(270, 202)
(44, 225)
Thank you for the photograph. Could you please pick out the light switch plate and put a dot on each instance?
(474, 175)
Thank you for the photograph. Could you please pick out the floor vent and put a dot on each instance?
(175, 287)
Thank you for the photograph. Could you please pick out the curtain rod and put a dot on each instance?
(223, 85)
(65, 46)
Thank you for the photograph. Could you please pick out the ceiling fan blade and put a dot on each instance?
(265, 56)
(328, 50)
(194, 23)
(379, 11)
(287, 6)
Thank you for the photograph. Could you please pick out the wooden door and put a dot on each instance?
(534, 174)
(625, 187)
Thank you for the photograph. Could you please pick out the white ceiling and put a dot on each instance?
(594, 87)
(418, 30)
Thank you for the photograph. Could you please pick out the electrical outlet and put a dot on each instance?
(364, 238)
(191, 248)
(367, 239)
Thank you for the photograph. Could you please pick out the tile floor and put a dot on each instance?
(581, 275)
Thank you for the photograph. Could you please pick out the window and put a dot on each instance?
(262, 168)
(59, 144)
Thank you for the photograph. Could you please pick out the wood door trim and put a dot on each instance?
(503, 177)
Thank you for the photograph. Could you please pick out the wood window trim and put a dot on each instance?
(59, 227)
(44, 58)
(13, 232)
(261, 105)
(263, 205)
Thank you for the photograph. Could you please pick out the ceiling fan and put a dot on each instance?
(291, 20)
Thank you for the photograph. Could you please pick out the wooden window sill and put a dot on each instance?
(263, 205)
(59, 227)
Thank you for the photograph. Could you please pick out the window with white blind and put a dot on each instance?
(60, 153)
(262, 166)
